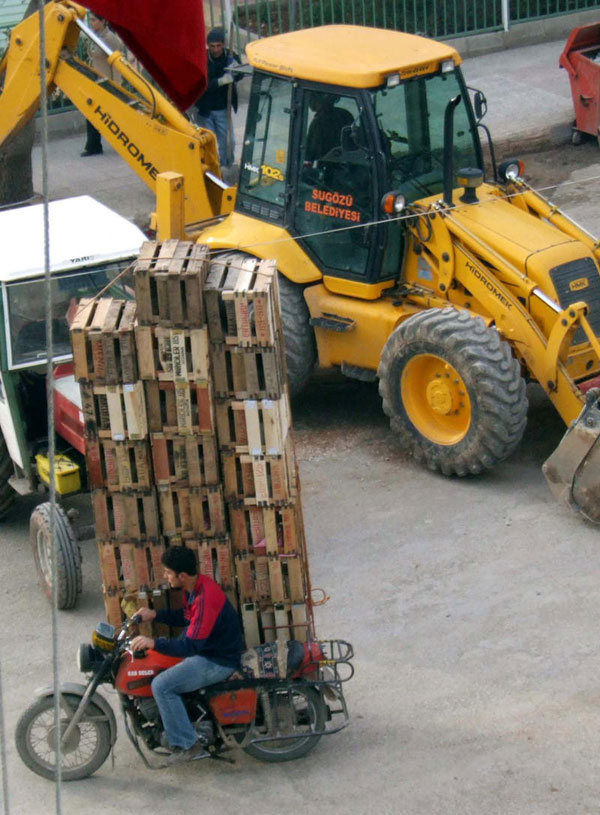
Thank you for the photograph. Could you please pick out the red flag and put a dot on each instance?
(168, 38)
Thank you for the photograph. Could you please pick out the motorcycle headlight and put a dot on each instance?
(103, 639)
(85, 657)
(89, 658)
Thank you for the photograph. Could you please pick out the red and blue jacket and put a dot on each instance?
(212, 626)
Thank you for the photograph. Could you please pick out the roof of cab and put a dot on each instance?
(348, 55)
(83, 232)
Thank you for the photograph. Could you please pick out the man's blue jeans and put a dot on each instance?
(217, 122)
(190, 674)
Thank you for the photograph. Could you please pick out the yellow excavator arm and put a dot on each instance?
(136, 119)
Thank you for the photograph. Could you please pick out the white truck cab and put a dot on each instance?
(89, 246)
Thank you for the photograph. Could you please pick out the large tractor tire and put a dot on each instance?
(453, 391)
(68, 566)
(7, 494)
(299, 338)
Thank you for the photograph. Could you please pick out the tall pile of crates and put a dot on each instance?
(188, 439)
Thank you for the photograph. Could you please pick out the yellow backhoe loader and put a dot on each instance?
(362, 174)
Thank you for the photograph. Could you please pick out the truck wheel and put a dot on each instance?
(68, 567)
(7, 494)
(300, 346)
(453, 391)
(299, 337)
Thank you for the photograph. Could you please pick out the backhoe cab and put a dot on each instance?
(364, 178)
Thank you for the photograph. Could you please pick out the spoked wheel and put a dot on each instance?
(453, 391)
(295, 712)
(85, 751)
(68, 567)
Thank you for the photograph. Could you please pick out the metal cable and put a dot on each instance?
(50, 398)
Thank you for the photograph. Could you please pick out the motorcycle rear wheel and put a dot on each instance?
(87, 748)
(294, 710)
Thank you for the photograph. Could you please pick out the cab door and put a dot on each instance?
(333, 205)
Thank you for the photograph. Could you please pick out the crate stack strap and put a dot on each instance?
(188, 437)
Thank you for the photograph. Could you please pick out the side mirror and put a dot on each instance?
(479, 105)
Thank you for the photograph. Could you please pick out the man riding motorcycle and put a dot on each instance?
(211, 647)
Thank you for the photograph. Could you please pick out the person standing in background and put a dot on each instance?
(213, 109)
(99, 61)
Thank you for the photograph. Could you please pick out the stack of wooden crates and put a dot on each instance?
(188, 437)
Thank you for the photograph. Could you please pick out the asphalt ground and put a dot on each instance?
(472, 603)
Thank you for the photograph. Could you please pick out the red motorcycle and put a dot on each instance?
(276, 708)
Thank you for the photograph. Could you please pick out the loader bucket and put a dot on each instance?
(573, 469)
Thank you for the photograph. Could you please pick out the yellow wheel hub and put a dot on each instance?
(435, 399)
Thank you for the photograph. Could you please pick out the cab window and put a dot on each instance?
(410, 118)
(265, 150)
(334, 196)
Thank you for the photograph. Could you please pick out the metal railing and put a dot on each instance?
(441, 19)
(522, 11)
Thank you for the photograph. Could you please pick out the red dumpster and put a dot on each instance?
(581, 58)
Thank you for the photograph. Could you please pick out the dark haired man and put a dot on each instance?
(211, 647)
(213, 109)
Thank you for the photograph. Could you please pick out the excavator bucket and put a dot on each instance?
(573, 469)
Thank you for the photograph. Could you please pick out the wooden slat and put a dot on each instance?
(118, 465)
(247, 373)
(173, 354)
(179, 407)
(125, 516)
(185, 460)
(102, 339)
(192, 511)
(169, 280)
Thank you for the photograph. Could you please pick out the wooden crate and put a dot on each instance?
(169, 279)
(179, 407)
(241, 298)
(248, 373)
(257, 427)
(265, 622)
(185, 461)
(126, 517)
(132, 566)
(173, 354)
(118, 465)
(259, 480)
(276, 577)
(116, 412)
(102, 336)
(192, 511)
(261, 530)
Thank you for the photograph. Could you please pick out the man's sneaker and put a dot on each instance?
(193, 753)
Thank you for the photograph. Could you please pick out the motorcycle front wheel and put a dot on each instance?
(85, 751)
(295, 713)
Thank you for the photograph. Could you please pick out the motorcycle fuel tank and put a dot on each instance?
(135, 674)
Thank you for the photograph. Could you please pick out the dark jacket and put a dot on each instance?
(215, 97)
(213, 627)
